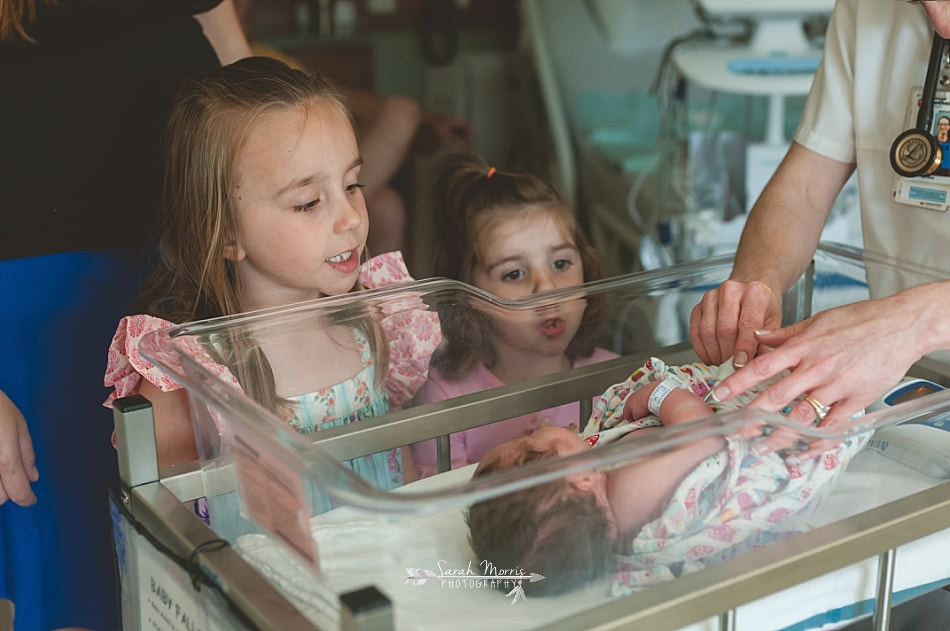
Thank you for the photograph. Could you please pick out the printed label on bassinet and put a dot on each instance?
(274, 496)
(167, 600)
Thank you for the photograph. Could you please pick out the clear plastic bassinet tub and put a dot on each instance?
(721, 514)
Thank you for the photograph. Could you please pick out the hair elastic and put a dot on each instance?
(659, 394)
(491, 172)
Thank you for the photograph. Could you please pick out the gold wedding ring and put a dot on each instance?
(821, 410)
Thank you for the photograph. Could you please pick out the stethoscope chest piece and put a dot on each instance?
(915, 153)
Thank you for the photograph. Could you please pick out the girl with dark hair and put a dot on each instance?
(510, 234)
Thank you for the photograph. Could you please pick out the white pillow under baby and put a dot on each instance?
(421, 542)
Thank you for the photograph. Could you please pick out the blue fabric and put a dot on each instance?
(862, 608)
(57, 316)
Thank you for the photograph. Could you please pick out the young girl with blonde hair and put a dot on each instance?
(263, 208)
(85, 89)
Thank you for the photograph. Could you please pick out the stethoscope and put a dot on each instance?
(916, 152)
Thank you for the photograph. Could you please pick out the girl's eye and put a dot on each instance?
(562, 264)
(515, 274)
(352, 188)
(305, 207)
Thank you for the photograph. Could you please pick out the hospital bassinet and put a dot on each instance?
(298, 541)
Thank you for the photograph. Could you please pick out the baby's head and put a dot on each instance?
(250, 163)
(560, 529)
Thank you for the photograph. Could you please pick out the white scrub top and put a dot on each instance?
(876, 51)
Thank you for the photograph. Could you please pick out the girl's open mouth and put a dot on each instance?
(345, 262)
(552, 327)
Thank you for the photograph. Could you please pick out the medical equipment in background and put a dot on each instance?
(756, 48)
(763, 52)
(918, 155)
(775, 60)
(905, 442)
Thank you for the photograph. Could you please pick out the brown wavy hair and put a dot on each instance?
(465, 198)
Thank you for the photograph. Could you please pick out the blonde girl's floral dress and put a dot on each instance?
(347, 402)
(412, 335)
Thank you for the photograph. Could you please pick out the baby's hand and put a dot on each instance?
(677, 406)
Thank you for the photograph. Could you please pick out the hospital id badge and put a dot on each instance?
(928, 191)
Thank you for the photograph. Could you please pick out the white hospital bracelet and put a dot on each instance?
(659, 394)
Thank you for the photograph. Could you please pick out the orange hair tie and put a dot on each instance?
(490, 173)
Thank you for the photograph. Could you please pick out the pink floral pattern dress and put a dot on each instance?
(733, 501)
(411, 331)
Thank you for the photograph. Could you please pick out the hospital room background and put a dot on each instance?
(659, 121)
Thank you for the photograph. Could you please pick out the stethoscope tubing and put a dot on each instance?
(925, 114)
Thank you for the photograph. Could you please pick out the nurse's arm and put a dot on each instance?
(785, 224)
(777, 244)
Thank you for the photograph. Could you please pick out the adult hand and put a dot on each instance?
(844, 358)
(724, 323)
(17, 461)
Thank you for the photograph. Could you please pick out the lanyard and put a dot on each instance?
(926, 114)
(915, 151)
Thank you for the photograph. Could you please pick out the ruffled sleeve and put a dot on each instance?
(385, 270)
(412, 330)
(126, 368)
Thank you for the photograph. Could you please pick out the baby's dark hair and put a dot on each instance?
(551, 529)
(468, 194)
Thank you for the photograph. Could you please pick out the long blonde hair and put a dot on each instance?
(15, 15)
(209, 125)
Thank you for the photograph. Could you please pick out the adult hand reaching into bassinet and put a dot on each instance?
(844, 358)
(723, 324)
(17, 460)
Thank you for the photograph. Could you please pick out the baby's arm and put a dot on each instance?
(679, 406)
(649, 484)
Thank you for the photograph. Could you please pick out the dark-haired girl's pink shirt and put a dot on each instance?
(471, 445)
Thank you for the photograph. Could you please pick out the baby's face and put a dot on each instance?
(560, 440)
